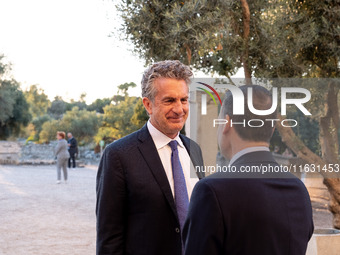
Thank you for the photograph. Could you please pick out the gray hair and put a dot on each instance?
(163, 69)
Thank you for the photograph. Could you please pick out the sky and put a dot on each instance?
(64, 47)
(68, 47)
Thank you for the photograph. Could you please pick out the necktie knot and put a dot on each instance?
(173, 145)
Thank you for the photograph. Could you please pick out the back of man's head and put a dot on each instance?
(262, 100)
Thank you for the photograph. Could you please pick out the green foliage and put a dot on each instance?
(7, 101)
(81, 104)
(287, 39)
(14, 113)
(303, 39)
(84, 121)
(38, 124)
(49, 131)
(122, 92)
(37, 100)
(81, 123)
(57, 109)
(99, 104)
(140, 116)
(117, 117)
(123, 88)
(206, 34)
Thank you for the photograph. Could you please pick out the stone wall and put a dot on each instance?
(9, 152)
(38, 153)
(20, 153)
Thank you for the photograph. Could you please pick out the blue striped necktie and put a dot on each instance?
(180, 187)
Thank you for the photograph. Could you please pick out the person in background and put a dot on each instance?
(72, 149)
(62, 156)
(287, 153)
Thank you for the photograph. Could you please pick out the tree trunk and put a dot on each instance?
(188, 51)
(246, 32)
(329, 125)
(297, 146)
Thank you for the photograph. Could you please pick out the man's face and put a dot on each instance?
(170, 107)
(69, 135)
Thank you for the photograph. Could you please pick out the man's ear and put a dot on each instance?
(227, 126)
(148, 105)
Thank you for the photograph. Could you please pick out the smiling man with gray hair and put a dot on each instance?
(143, 181)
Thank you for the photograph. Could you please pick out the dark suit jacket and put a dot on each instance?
(136, 212)
(229, 214)
(73, 145)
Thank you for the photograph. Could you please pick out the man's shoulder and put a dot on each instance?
(188, 142)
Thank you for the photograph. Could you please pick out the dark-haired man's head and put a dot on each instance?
(248, 129)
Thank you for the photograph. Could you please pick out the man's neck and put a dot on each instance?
(241, 146)
(247, 149)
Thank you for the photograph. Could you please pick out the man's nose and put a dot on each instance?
(178, 107)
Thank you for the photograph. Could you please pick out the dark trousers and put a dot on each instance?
(73, 158)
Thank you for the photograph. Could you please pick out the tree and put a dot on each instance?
(307, 45)
(217, 35)
(82, 124)
(37, 100)
(99, 104)
(49, 131)
(81, 104)
(6, 101)
(58, 108)
(38, 126)
(275, 39)
(117, 116)
(14, 109)
(123, 92)
(38, 106)
(140, 116)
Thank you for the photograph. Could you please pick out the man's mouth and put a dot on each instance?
(176, 119)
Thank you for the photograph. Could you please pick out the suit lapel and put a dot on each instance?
(150, 154)
(194, 154)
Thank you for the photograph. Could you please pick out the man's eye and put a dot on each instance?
(184, 100)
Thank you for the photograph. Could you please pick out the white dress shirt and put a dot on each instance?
(164, 151)
(247, 150)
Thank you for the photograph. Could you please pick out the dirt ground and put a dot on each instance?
(38, 216)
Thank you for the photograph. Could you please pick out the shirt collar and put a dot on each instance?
(247, 150)
(161, 139)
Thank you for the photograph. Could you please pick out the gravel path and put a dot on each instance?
(38, 216)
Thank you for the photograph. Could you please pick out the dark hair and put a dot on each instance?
(262, 100)
(163, 69)
(61, 134)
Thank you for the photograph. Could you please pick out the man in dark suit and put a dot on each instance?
(254, 207)
(72, 149)
(144, 182)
